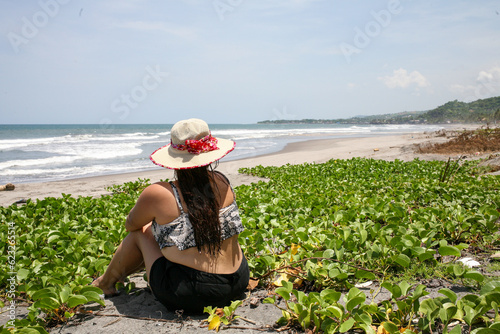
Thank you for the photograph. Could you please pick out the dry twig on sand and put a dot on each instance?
(482, 140)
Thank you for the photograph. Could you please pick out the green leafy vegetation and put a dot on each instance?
(325, 227)
(313, 231)
(61, 244)
(480, 111)
(221, 316)
(388, 217)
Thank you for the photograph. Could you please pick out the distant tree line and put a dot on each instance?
(480, 111)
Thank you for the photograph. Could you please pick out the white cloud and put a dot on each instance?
(487, 84)
(401, 78)
(493, 75)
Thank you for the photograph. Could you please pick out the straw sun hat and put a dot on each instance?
(191, 145)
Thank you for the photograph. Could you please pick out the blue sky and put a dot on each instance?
(241, 61)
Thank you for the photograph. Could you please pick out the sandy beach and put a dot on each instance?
(140, 312)
(313, 151)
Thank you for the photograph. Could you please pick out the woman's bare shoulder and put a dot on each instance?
(161, 184)
(157, 197)
(225, 190)
(157, 189)
(221, 179)
(166, 207)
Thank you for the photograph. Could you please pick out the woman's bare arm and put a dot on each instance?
(146, 207)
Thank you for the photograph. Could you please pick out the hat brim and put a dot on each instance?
(172, 158)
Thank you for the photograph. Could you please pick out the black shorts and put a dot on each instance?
(183, 288)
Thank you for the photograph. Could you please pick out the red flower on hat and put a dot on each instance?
(197, 146)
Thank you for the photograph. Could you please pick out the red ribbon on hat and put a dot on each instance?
(197, 146)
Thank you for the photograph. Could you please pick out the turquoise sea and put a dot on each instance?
(35, 153)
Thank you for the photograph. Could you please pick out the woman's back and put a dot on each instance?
(229, 257)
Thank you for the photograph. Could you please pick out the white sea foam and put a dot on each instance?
(244, 134)
(36, 162)
(96, 151)
(125, 137)
(48, 173)
(31, 143)
(167, 133)
(9, 144)
(64, 152)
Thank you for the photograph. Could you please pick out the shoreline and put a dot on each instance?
(386, 147)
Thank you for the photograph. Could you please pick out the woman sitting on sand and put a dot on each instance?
(185, 232)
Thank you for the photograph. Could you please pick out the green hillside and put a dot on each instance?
(480, 111)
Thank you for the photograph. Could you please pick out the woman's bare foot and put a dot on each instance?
(108, 290)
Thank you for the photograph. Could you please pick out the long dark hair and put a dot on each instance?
(202, 203)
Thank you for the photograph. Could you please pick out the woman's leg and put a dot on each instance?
(138, 250)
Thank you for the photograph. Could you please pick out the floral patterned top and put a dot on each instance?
(179, 232)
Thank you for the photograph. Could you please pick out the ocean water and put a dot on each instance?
(36, 153)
